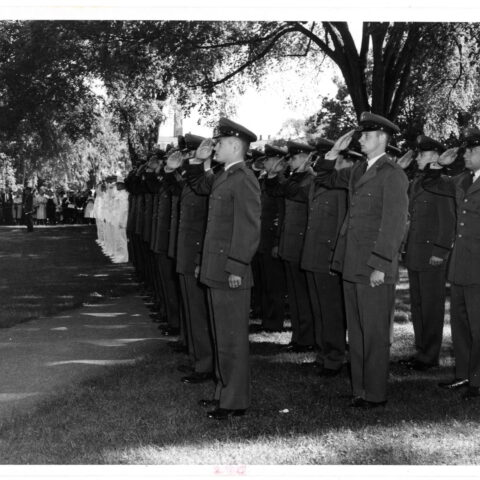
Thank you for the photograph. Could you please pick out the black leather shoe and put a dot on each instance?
(419, 366)
(207, 402)
(407, 361)
(472, 392)
(454, 384)
(224, 413)
(366, 404)
(295, 348)
(197, 377)
(185, 368)
(329, 372)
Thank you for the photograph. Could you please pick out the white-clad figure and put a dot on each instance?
(120, 224)
(109, 206)
(98, 213)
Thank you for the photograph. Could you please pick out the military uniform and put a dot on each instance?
(431, 233)
(292, 235)
(369, 240)
(231, 239)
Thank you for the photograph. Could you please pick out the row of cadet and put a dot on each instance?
(50, 206)
(110, 210)
(324, 223)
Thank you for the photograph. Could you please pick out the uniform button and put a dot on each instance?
(353, 204)
(301, 233)
(462, 224)
(459, 235)
(464, 211)
(466, 200)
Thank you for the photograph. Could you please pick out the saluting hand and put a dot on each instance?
(234, 281)
(204, 151)
(377, 278)
(341, 144)
(406, 159)
(276, 168)
(448, 156)
(174, 161)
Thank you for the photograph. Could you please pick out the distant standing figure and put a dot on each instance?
(28, 208)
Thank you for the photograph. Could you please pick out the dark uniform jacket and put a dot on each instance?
(273, 211)
(374, 227)
(432, 223)
(233, 224)
(191, 224)
(294, 224)
(464, 266)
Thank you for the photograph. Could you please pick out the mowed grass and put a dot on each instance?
(54, 269)
(143, 414)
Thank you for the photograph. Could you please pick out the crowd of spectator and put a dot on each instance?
(50, 206)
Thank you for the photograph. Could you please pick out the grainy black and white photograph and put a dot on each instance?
(239, 242)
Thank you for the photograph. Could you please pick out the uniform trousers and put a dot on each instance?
(168, 279)
(229, 311)
(29, 222)
(121, 248)
(427, 299)
(100, 231)
(326, 295)
(465, 309)
(368, 310)
(199, 339)
(299, 302)
(272, 282)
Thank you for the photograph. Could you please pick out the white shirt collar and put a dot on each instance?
(476, 175)
(232, 164)
(371, 161)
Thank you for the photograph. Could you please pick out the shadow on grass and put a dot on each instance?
(55, 269)
(144, 414)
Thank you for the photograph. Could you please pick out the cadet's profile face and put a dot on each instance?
(426, 157)
(270, 162)
(223, 149)
(369, 142)
(472, 158)
(296, 161)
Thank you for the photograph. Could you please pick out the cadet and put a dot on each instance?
(292, 234)
(367, 252)
(191, 230)
(231, 239)
(326, 213)
(271, 268)
(430, 238)
(464, 268)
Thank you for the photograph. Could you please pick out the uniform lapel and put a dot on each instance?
(226, 173)
(474, 187)
(371, 172)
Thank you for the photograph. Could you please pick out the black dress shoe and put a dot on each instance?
(207, 402)
(185, 368)
(329, 372)
(366, 404)
(472, 392)
(419, 366)
(454, 384)
(225, 413)
(407, 361)
(197, 377)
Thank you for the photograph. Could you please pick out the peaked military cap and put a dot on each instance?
(351, 155)
(227, 128)
(273, 151)
(254, 154)
(299, 147)
(394, 151)
(192, 142)
(427, 144)
(181, 145)
(370, 122)
(322, 145)
(471, 137)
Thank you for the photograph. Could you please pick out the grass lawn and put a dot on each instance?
(53, 269)
(143, 414)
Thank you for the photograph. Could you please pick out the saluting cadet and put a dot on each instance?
(191, 230)
(326, 213)
(292, 235)
(367, 252)
(464, 268)
(271, 269)
(231, 239)
(430, 237)
(121, 217)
